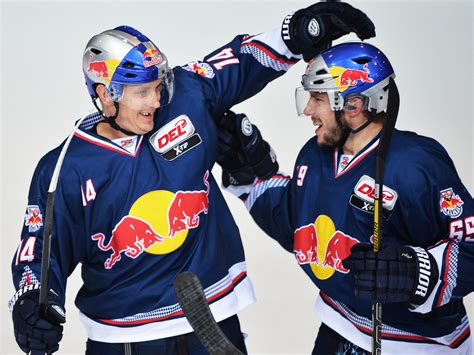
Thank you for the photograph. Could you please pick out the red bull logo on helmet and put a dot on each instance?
(104, 69)
(351, 77)
(151, 57)
(345, 78)
(450, 203)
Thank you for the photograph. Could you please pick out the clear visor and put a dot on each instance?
(302, 98)
(157, 93)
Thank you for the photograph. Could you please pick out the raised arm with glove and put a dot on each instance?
(311, 30)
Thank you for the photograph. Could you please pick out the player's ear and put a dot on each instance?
(103, 95)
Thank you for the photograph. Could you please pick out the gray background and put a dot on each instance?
(428, 42)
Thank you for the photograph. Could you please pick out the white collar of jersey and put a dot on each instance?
(355, 160)
(107, 144)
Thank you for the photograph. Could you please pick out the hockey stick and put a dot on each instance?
(48, 225)
(389, 125)
(195, 307)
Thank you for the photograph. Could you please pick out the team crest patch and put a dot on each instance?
(450, 203)
(33, 218)
(200, 68)
(175, 138)
(126, 143)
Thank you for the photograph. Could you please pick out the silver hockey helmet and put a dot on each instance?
(124, 56)
(347, 70)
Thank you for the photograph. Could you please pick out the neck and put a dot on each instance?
(359, 140)
(105, 130)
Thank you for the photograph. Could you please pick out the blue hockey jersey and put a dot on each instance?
(322, 211)
(136, 218)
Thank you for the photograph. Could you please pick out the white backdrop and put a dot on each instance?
(428, 42)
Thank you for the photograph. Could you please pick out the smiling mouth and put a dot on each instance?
(146, 114)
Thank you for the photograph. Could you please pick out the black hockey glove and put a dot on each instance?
(309, 31)
(32, 331)
(394, 274)
(243, 154)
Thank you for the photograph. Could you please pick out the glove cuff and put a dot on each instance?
(427, 275)
(21, 293)
(54, 312)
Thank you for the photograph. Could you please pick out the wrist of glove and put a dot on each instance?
(311, 30)
(243, 154)
(394, 274)
(34, 331)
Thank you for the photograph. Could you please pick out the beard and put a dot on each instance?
(332, 138)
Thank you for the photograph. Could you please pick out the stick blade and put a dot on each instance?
(191, 297)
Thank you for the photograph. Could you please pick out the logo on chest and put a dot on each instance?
(175, 138)
(364, 195)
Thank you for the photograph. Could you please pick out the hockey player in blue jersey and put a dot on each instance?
(324, 213)
(135, 203)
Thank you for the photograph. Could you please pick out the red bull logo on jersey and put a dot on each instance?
(131, 236)
(338, 249)
(323, 247)
(201, 68)
(450, 203)
(151, 57)
(157, 223)
(186, 207)
(305, 245)
(33, 218)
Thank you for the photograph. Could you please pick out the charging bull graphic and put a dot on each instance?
(338, 249)
(186, 207)
(305, 244)
(350, 77)
(130, 236)
(99, 68)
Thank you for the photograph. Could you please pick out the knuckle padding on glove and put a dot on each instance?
(335, 19)
(32, 331)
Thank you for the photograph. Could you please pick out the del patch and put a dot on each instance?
(33, 218)
(450, 204)
(175, 138)
(201, 68)
(364, 196)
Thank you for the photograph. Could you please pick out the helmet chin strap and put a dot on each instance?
(346, 131)
(111, 120)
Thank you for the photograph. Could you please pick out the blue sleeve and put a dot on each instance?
(241, 68)
(66, 252)
(268, 202)
(438, 213)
